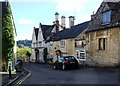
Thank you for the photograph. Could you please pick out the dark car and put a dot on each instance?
(19, 65)
(65, 62)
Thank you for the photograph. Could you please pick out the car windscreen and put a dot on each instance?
(70, 58)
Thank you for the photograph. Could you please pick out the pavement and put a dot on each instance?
(6, 81)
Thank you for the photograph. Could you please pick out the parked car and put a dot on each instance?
(19, 65)
(65, 62)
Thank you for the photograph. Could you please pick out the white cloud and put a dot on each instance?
(24, 36)
(81, 9)
(25, 21)
(32, 1)
(70, 6)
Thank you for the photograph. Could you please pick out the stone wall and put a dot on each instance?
(109, 56)
(70, 46)
(68, 49)
(119, 49)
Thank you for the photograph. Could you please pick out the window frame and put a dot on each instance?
(40, 44)
(106, 17)
(62, 43)
(102, 43)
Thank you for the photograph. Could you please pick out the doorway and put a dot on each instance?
(45, 52)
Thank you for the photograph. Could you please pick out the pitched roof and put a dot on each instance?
(46, 30)
(36, 32)
(96, 23)
(73, 32)
(114, 5)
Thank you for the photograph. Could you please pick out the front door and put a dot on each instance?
(45, 51)
(37, 55)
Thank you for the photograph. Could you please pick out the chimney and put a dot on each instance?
(57, 21)
(71, 21)
(63, 21)
(92, 16)
(56, 16)
(57, 25)
(53, 22)
(40, 25)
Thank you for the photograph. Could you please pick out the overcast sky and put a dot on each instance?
(29, 13)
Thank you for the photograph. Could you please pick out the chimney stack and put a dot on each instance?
(63, 21)
(92, 16)
(56, 16)
(57, 21)
(71, 21)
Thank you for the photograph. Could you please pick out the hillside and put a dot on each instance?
(24, 42)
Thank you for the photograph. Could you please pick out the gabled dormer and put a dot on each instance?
(107, 16)
(35, 37)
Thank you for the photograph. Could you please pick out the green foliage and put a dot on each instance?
(22, 52)
(7, 33)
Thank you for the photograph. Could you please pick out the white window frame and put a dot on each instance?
(62, 43)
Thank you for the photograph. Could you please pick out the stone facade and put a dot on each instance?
(80, 43)
(66, 46)
(109, 56)
(103, 37)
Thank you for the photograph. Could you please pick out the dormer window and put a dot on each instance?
(106, 17)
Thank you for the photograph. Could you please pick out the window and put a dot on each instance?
(106, 17)
(82, 54)
(102, 43)
(62, 43)
(40, 44)
(33, 44)
(70, 58)
(75, 44)
(79, 44)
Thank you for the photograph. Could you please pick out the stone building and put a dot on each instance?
(40, 45)
(103, 35)
(69, 40)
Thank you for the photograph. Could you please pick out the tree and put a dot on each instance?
(7, 34)
(22, 52)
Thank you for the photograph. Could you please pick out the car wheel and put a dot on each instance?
(63, 67)
(54, 67)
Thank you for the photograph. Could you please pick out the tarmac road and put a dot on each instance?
(45, 74)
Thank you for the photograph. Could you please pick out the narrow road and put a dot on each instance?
(45, 74)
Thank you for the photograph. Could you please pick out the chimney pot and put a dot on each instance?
(56, 13)
(56, 16)
(63, 21)
(71, 21)
(92, 16)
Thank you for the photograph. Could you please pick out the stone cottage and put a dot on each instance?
(103, 35)
(69, 40)
(40, 45)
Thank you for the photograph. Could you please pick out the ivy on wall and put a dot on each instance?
(7, 34)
